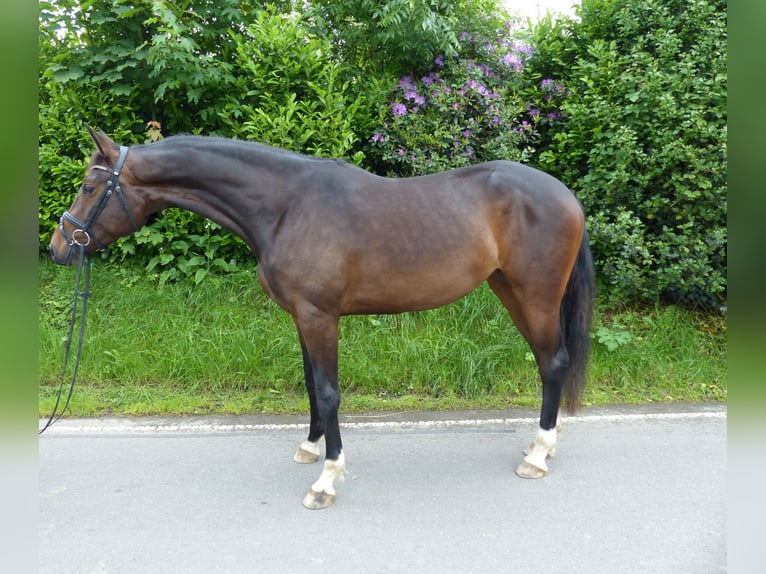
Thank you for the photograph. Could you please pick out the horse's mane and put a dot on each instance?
(234, 146)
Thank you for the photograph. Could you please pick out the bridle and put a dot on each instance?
(81, 238)
(83, 232)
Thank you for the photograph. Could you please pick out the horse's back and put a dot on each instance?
(380, 245)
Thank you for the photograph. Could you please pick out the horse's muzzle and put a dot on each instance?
(66, 256)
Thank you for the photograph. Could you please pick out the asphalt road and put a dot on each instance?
(630, 490)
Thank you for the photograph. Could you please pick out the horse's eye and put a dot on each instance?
(87, 189)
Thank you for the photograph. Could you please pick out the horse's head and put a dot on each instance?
(106, 206)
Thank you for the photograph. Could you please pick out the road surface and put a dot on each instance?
(630, 490)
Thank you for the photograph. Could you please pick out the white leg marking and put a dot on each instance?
(312, 447)
(545, 442)
(551, 452)
(332, 469)
(307, 453)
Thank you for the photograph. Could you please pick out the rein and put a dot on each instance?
(81, 238)
(85, 261)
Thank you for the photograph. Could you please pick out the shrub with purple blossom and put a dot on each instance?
(476, 107)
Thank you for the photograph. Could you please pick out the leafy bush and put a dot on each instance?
(65, 146)
(626, 104)
(289, 91)
(644, 145)
(270, 82)
(469, 109)
(396, 37)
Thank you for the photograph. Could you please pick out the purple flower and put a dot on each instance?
(546, 84)
(413, 96)
(430, 79)
(406, 83)
(486, 70)
(399, 109)
(534, 112)
(467, 133)
(378, 138)
(439, 61)
(481, 88)
(512, 61)
(524, 49)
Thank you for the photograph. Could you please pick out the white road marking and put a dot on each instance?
(96, 426)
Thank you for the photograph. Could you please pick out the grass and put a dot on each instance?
(224, 347)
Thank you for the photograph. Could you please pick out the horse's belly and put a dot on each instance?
(400, 290)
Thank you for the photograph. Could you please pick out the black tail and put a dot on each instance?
(576, 314)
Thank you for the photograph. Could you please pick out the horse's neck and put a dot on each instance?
(235, 191)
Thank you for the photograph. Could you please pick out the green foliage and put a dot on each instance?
(65, 147)
(182, 245)
(193, 67)
(613, 337)
(290, 91)
(467, 110)
(400, 36)
(170, 60)
(626, 104)
(644, 145)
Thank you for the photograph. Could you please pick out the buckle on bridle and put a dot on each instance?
(76, 241)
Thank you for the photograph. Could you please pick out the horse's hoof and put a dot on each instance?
(318, 500)
(304, 456)
(527, 470)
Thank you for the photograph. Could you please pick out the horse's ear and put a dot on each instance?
(103, 142)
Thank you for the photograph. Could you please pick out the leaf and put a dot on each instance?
(66, 75)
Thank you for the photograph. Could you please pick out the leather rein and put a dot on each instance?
(81, 237)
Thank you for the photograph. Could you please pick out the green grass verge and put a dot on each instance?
(224, 347)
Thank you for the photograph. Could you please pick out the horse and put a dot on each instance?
(332, 239)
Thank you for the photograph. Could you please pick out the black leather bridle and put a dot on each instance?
(81, 237)
(83, 232)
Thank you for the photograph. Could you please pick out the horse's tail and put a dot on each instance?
(576, 314)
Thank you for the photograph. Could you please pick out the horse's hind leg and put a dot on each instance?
(537, 318)
(319, 340)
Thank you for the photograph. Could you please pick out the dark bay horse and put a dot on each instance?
(332, 239)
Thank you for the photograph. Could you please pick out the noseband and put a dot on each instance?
(83, 233)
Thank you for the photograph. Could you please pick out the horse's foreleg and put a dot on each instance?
(308, 451)
(319, 335)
